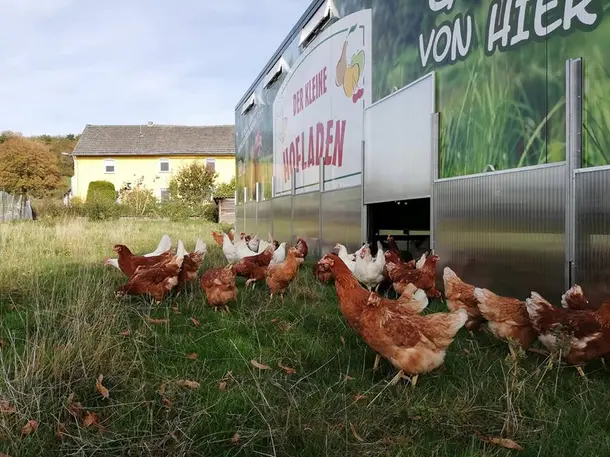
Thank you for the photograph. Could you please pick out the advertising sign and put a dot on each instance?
(319, 110)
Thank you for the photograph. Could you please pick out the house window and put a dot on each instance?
(210, 164)
(109, 166)
(164, 165)
(164, 194)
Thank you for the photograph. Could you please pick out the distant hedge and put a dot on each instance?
(101, 192)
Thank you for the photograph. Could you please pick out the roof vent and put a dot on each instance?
(150, 123)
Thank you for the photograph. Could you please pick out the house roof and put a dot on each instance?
(156, 140)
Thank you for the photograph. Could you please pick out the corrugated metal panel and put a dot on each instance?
(250, 216)
(341, 218)
(398, 131)
(592, 245)
(306, 220)
(239, 218)
(504, 230)
(282, 218)
(264, 221)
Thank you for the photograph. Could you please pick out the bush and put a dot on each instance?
(139, 202)
(193, 185)
(101, 201)
(210, 212)
(103, 191)
(49, 208)
(174, 210)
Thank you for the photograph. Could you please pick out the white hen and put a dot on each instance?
(367, 270)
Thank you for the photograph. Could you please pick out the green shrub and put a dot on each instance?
(50, 208)
(102, 191)
(210, 212)
(101, 201)
(139, 202)
(174, 210)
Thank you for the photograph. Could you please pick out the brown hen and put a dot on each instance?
(128, 262)
(587, 330)
(218, 285)
(507, 318)
(156, 280)
(254, 268)
(424, 278)
(414, 344)
(280, 275)
(459, 294)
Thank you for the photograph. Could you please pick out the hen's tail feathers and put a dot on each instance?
(446, 325)
(536, 306)
(421, 261)
(201, 247)
(180, 253)
(483, 296)
(164, 245)
(575, 299)
(420, 297)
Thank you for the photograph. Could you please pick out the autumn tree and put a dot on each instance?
(27, 166)
(193, 184)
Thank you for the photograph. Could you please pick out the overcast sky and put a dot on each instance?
(67, 63)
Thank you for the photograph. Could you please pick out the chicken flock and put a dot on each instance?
(394, 328)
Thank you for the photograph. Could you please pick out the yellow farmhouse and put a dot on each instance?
(127, 155)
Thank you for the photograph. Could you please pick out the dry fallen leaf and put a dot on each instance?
(30, 427)
(355, 433)
(125, 333)
(154, 321)
(195, 322)
(288, 370)
(343, 341)
(192, 356)
(504, 442)
(90, 419)
(359, 397)
(187, 383)
(166, 402)
(162, 389)
(175, 309)
(60, 430)
(75, 408)
(222, 385)
(347, 378)
(105, 393)
(235, 438)
(6, 408)
(260, 366)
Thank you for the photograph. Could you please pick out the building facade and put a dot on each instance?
(148, 155)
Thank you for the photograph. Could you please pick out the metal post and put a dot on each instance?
(574, 108)
(320, 212)
(434, 170)
(292, 194)
(364, 232)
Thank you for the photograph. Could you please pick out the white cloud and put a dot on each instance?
(71, 63)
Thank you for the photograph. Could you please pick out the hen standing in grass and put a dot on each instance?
(279, 276)
(191, 264)
(587, 330)
(128, 262)
(155, 280)
(507, 318)
(414, 344)
(218, 285)
(461, 295)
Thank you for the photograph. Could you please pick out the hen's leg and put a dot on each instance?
(398, 377)
(414, 380)
(376, 364)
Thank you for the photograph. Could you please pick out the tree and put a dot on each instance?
(226, 189)
(193, 184)
(28, 166)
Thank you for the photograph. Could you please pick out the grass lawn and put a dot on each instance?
(61, 327)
